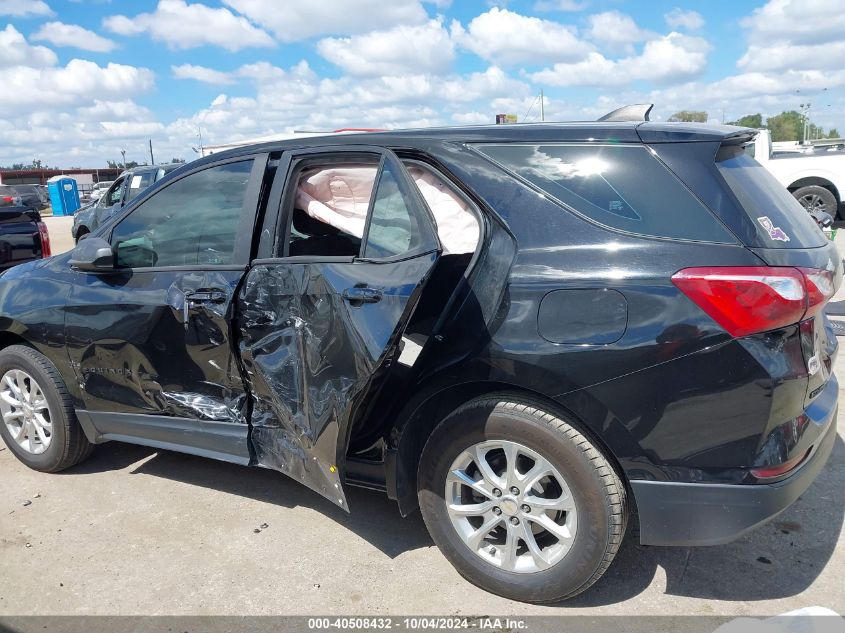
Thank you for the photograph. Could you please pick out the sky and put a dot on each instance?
(81, 80)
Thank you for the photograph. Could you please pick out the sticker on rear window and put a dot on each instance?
(775, 232)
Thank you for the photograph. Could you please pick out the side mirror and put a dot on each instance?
(94, 255)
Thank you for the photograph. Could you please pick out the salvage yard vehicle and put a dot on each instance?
(525, 331)
(23, 236)
(114, 195)
(816, 178)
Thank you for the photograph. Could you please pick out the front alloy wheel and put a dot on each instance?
(26, 413)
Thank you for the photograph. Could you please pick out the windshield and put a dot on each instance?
(780, 219)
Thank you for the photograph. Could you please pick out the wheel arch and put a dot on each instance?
(815, 181)
(10, 338)
(418, 419)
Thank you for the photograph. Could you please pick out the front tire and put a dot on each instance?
(521, 502)
(38, 422)
(816, 198)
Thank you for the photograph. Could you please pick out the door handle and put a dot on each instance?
(193, 299)
(359, 295)
(210, 296)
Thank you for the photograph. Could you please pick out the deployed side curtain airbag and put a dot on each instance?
(340, 197)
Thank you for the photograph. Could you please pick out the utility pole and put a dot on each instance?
(123, 153)
(152, 160)
(542, 107)
(199, 134)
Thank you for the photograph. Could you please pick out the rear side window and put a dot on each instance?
(393, 229)
(619, 186)
(780, 220)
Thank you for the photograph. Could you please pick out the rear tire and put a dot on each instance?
(34, 395)
(817, 198)
(543, 439)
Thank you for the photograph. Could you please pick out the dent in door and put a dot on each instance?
(311, 357)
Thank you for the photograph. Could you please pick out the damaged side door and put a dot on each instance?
(318, 332)
(151, 341)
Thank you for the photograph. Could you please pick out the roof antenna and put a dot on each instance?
(635, 112)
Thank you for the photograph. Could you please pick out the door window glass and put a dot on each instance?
(193, 221)
(114, 194)
(138, 183)
(330, 208)
(393, 228)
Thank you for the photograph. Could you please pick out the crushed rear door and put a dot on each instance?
(318, 334)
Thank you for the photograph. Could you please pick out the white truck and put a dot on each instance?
(815, 178)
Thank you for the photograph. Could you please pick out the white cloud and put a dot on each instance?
(789, 35)
(678, 18)
(673, 57)
(61, 34)
(181, 26)
(472, 118)
(615, 29)
(24, 8)
(780, 56)
(560, 5)
(297, 21)
(796, 21)
(426, 48)
(201, 73)
(504, 37)
(15, 50)
(72, 84)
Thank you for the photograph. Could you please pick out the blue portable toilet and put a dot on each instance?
(64, 195)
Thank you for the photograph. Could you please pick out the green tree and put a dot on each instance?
(689, 116)
(749, 120)
(834, 133)
(177, 160)
(786, 126)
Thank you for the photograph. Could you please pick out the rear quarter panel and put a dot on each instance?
(675, 396)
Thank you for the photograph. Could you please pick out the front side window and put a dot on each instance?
(192, 222)
(114, 194)
(623, 187)
(138, 183)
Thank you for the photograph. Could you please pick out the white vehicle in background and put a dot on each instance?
(816, 178)
(99, 188)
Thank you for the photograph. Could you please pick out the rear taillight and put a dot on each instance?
(8, 200)
(781, 469)
(45, 240)
(819, 285)
(747, 300)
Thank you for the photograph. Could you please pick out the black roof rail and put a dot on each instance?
(635, 112)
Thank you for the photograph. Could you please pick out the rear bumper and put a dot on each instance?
(683, 514)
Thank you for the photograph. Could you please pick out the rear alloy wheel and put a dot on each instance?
(519, 500)
(511, 506)
(816, 198)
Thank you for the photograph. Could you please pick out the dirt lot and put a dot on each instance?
(137, 531)
(140, 531)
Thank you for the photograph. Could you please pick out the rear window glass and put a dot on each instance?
(780, 220)
(620, 186)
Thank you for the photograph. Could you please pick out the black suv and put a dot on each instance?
(127, 187)
(526, 331)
